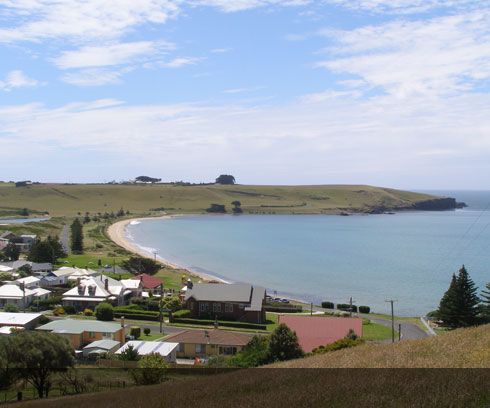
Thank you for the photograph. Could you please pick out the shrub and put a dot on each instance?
(70, 310)
(152, 369)
(104, 312)
(327, 305)
(338, 345)
(182, 314)
(364, 309)
(11, 308)
(347, 307)
(88, 312)
(135, 331)
(44, 319)
(147, 331)
(61, 311)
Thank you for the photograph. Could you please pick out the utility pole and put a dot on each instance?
(311, 309)
(399, 331)
(350, 308)
(161, 306)
(392, 319)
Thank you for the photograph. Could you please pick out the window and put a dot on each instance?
(91, 335)
(200, 348)
(201, 307)
(181, 348)
(217, 307)
(107, 336)
(241, 306)
(191, 305)
(229, 307)
(227, 351)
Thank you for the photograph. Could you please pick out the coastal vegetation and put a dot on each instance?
(99, 199)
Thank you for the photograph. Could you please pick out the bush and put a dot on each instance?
(88, 312)
(60, 311)
(147, 331)
(240, 325)
(44, 319)
(70, 310)
(104, 312)
(338, 345)
(346, 307)
(327, 305)
(182, 314)
(11, 308)
(152, 369)
(364, 309)
(135, 331)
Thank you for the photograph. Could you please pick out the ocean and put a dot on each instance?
(407, 256)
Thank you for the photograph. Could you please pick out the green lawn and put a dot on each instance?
(376, 332)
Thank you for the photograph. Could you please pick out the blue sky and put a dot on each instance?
(383, 92)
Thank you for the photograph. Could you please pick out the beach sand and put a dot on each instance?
(117, 233)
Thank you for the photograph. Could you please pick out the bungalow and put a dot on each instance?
(89, 292)
(30, 282)
(148, 281)
(15, 294)
(83, 332)
(204, 343)
(316, 331)
(27, 321)
(37, 268)
(92, 350)
(237, 301)
(165, 349)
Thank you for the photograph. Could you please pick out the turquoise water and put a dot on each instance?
(22, 220)
(408, 256)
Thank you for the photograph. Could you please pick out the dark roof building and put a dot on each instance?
(148, 281)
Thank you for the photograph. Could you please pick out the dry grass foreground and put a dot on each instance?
(330, 387)
(463, 348)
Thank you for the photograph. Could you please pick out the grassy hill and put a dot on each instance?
(68, 200)
(307, 387)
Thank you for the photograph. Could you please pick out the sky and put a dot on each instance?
(391, 93)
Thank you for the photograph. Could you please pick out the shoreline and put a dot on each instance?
(117, 234)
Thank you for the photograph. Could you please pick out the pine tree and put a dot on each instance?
(283, 344)
(485, 300)
(76, 236)
(448, 306)
(459, 305)
(12, 251)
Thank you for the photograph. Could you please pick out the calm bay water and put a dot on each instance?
(408, 256)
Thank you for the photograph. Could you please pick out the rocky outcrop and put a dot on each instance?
(435, 204)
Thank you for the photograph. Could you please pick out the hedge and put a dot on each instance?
(137, 316)
(283, 309)
(364, 309)
(328, 305)
(123, 309)
(182, 314)
(347, 307)
(239, 325)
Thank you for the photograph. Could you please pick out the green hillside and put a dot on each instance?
(68, 200)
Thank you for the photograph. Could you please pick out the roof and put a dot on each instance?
(103, 344)
(10, 291)
(35, 266)
(256, 304)
(220, 292)
(149, 282)
(215, 336)
(72, 326)
(28, 279)
(130, 283)
(40, 291)
(7, 329)
(17, 319)
(318, 331)
(5, 268)
(147, 347)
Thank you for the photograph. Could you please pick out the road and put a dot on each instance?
(64, 237)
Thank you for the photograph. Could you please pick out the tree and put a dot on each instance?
(24, 212)
(172, 303)
(283, 344)
(48, 250)
(129, 354)
(9, 373)
(39, 355)
(12, 251)
(11, 308)
(236, 209)
(56, 244)
(485, 300)
(120, 213)
(138, 265)
(76, 236)
(104, 312)
(216, 208)
(146, 179)
(459, 304)
(254, 354)
(152, 369)
(225, 179)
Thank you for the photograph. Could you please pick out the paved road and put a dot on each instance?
(64, 237)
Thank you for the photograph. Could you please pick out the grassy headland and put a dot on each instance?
(71, 199)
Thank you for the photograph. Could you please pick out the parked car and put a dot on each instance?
(107, 266)
(284, 301)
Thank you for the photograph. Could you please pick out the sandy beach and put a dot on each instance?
(117, 233)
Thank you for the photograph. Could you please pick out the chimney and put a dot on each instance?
(122, 321)
(106, 284)
(78, 281)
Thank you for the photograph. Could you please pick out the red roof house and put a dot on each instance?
(316, 331)
(148, 281)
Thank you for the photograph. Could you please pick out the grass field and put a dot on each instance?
(69, 200)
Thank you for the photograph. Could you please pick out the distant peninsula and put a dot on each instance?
(157, 199)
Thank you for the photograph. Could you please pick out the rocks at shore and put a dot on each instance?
(436, 204)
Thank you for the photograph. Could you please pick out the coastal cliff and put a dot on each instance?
(434, 204)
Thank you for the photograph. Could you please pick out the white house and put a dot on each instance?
(15, 295)
(26, 321)
(166, 349)
(30, 282)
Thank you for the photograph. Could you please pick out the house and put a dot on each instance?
(92, 350)
(24, 242)
(83, 332)
(67, 273)
(316, 331)
(241, 302)
(134, 286)
(37, 268)
(6, 269)
(89, 292)
(13, 294)
(165, 349)
(205, 343)
(29, 282)
(148, 281)
(27, 321)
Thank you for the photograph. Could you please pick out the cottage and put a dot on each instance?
(83, 332)
(148, 281)
(37, 268)
(238, 301)
(165, 349)
(30, 282)
(315, 331)
(13, 294)
(27, 321)
(205, 343)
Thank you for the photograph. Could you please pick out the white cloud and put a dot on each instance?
(180, 62)
(241, 90)
(221, 50)
(239, 5)
(442, 55)
(107, 55)
(405, 6)
(94, 76)
(17, 79)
